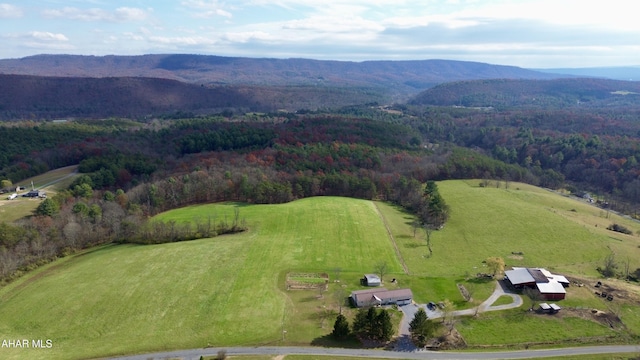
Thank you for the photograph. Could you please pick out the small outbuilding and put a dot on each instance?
(544, 307)
(371, 280)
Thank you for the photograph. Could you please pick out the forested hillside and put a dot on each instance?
(541, 94)
(37, 97)
(399, 79)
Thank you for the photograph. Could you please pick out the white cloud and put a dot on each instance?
(47, 36)
(324, 24)
(207, 8)
(121, 14)
(248, 36)
(182, 40)
(10, 11)
(130, 14)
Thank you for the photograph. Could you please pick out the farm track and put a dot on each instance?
(393, 240)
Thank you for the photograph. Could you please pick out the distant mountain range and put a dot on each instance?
(628, 73)
(582, 92)
(55, 86)
(399, 78)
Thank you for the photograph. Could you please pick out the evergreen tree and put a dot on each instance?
(421, 328)
(360, 323)
(372, 321)
(384, 327)
(48, 207)
(340, 328)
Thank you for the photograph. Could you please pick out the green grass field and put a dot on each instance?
(222, 291)
(229, 290)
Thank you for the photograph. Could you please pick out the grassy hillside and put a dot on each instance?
(551, 230)
(230, 290)
(122, 299)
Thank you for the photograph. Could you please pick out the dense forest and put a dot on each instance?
(132, 170)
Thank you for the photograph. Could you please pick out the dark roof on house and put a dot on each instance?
(399, 293)
(382, 294)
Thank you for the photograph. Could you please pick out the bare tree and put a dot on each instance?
(610, 265)
(448, 316)
(336, 273)
(381, 269)
(415, 225)
(533, 296)
(626, 264)
(428, 230)
(340, 296)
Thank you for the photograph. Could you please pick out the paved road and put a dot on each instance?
(195, 354)
(404, 349)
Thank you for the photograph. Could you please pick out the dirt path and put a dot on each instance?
(393, 240)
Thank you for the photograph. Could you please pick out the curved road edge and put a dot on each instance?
(194, 354)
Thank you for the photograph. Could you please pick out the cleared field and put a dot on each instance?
(222, 291)
(523, 219)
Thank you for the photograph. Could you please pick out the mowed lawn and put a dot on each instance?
(223, 291)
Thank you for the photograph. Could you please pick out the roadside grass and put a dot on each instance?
(489, 329)
(242, 357)
(328, 357)
(627, 356)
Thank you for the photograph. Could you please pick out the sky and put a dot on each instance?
(525, 33)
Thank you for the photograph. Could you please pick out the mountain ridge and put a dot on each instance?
(554, 93)
(401, 78)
